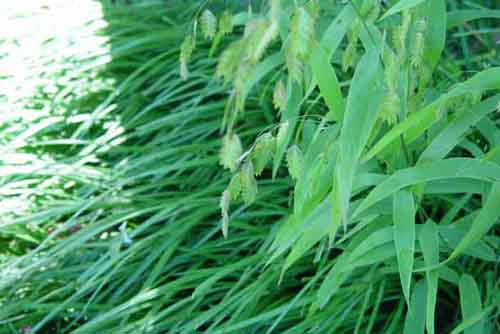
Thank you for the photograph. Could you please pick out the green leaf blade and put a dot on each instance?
(404, 237)
(429, 242)
(470, 303)
(401, 6)
(363, 101)
(454, 168)
(486, 218)
(328, 85)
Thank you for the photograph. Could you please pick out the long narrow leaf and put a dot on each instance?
(455, 168)
(486, 218)
(470, 303)
(404, 237)
(362, 109)
(429, 242)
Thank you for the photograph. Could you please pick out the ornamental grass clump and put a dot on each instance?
(267, 167)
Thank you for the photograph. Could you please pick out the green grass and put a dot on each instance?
(363, 184)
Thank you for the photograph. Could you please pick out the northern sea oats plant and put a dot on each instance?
(387, 157)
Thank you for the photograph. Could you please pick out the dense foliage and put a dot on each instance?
(259, 167)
